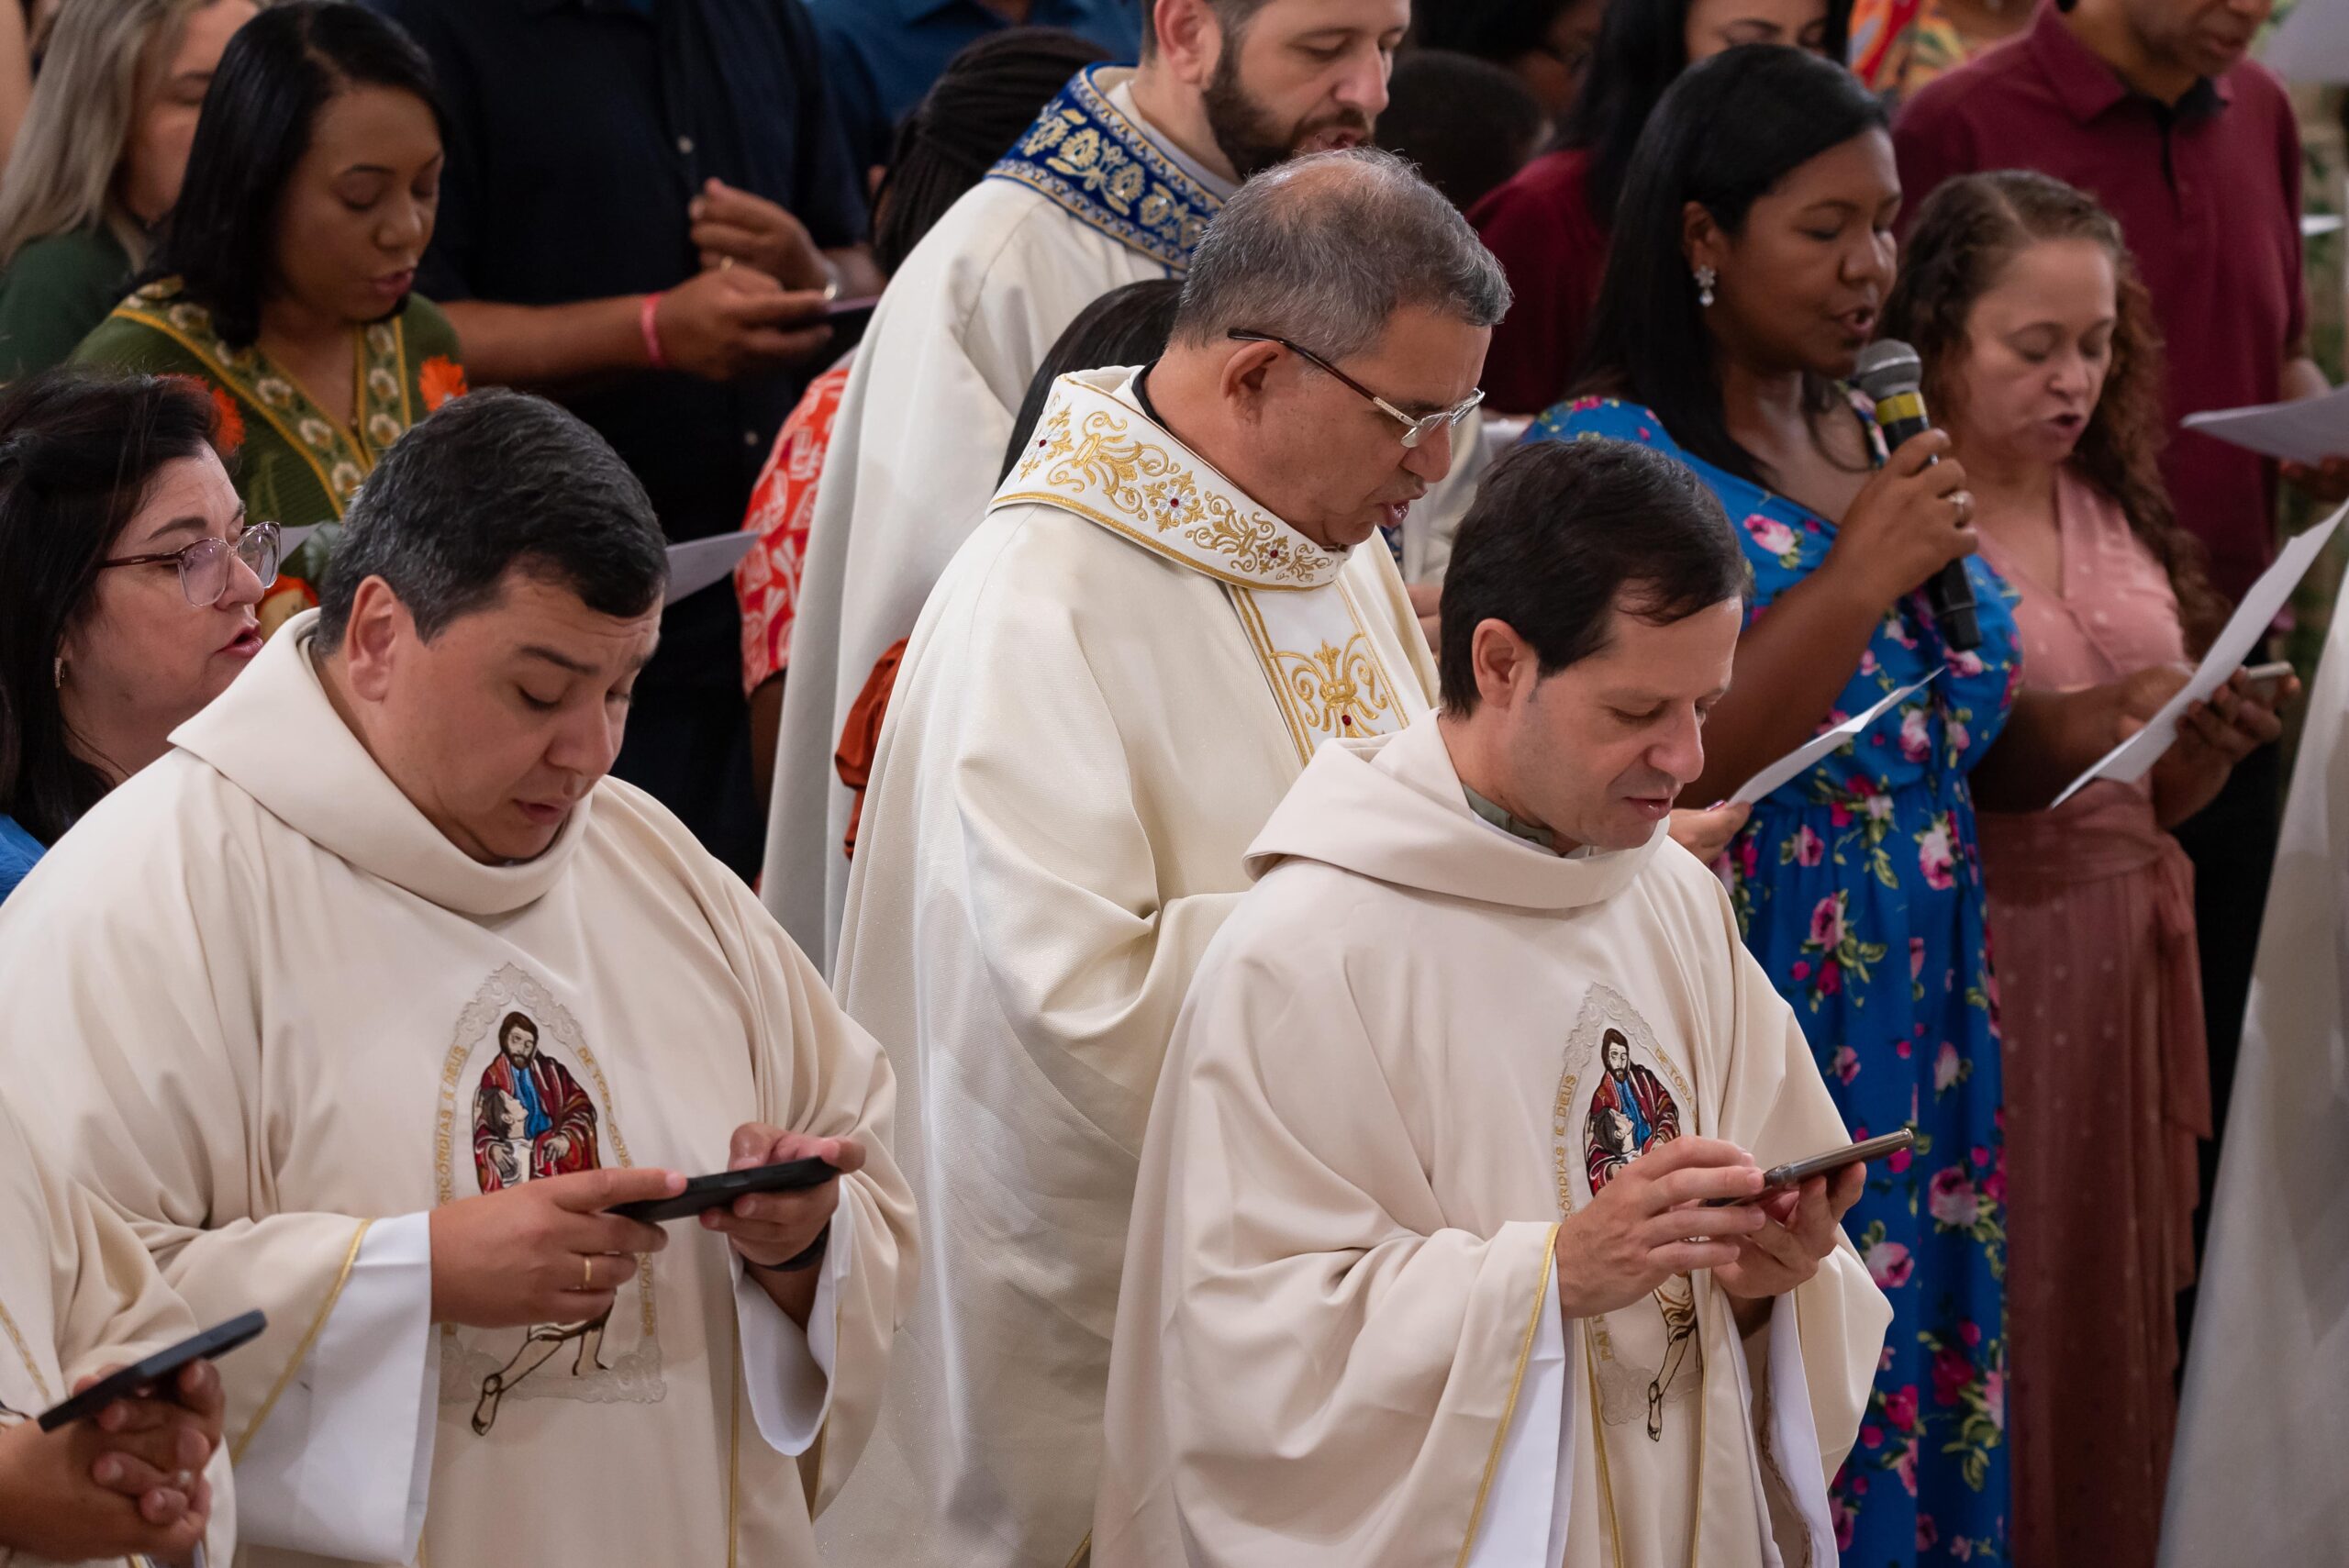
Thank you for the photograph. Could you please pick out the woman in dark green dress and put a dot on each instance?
(97, 163)
(282, 282)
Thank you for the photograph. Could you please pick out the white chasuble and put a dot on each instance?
(78, 1296)
(262, 1005)
(1093, 198)
(1418, 1046)
(1119, 675)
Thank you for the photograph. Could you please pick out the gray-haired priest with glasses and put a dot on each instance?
(1178, 594)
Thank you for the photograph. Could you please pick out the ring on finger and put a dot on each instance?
(1963, 501)
(587, 1271)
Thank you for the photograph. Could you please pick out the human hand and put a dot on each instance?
(1427, 602)
(127, 1482)
(1649, 1223)
(1799, 1231)
(1912, 518)
(768, 1228)
(737, 322)
(544, 1252)
(731, 226)
(2212, 736)
(2327, 481)
(1705, 834)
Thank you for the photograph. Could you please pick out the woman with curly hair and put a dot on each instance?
(284, 279)
(2042, 363)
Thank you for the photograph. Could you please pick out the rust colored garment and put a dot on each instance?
(2108, 1082)
(861, 736)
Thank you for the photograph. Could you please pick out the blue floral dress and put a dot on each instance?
(1860, 890)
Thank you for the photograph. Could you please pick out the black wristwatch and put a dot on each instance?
(799, 1263)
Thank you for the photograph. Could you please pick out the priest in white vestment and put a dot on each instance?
(1116, 181)
(365, 1002)
(1422, 1271)
(2255, 1474)
(80, 1298)
(1179, 594)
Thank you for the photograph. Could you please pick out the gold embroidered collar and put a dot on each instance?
(1096, 453)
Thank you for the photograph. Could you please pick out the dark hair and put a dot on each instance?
(1727, 133)
(1966, 235)
(1128, 325)
(1498, 30)
(1232, 15)
(1563, 535)
(78, 452)
(279, 70)
(492, 482)
(980, 105)
(1467, 123)
(1642, 50)
(505, 1027)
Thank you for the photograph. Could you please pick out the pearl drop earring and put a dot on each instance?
(1705, 278)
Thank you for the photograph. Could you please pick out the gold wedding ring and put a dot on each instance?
(586, 1273)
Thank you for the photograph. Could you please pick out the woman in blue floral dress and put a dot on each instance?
(1753, 247)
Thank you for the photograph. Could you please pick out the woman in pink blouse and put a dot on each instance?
(2042, 363)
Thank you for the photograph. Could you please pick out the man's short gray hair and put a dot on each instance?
(1325, 250)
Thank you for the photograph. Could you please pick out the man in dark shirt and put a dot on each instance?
(646, 205)
(881, 55)
(2153, 106)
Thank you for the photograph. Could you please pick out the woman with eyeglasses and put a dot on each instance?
(128, 578)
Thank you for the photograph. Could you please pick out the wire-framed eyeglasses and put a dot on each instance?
(204, 563)
(1416, 429)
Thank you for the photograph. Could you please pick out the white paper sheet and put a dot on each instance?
(2311, 44)
(2130, 760)
(1795, 762)
(698, 562)
(2308, 430)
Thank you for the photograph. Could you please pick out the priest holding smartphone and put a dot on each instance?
(370, 1001)
(1425, 1267)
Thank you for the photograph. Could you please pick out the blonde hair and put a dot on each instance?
(102, 60)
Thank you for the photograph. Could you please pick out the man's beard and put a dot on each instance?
(1244, 130)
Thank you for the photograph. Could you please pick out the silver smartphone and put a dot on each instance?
(1779, 1178)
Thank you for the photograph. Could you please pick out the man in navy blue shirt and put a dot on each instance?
(646, 206)
(881, 55)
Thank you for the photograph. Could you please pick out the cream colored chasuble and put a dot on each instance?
(1097, 455)
(1119, 675)
(1416, 1049)
(268, 1011)
(79, 1295)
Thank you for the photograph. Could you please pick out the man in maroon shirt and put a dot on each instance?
(2153, 106)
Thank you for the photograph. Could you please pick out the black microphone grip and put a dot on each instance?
(1950, 590)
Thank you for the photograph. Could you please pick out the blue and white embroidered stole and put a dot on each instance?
(1094, 162)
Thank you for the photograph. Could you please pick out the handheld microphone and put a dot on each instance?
(1891, 372)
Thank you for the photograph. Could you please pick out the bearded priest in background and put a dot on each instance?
(1424, 1269)
(1176, 597)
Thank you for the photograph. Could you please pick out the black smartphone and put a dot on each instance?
(156, 1371)
(724, 1186)
(1779, 1178)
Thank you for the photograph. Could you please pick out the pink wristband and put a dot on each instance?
(651, 329)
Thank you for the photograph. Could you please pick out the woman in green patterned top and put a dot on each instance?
(283, 281)
(98, 163)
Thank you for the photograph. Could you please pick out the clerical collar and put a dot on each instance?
(1516, 827)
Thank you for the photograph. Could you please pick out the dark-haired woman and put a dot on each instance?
(129, 577)
(2042, 361)
(1753, 253)
(282, 280)
(1550, 224)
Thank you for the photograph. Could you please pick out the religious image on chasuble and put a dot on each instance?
(1416, 1050)
(301, 1020)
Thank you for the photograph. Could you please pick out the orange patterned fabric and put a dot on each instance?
(861, 736)
(782, 505)
(440, 379)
